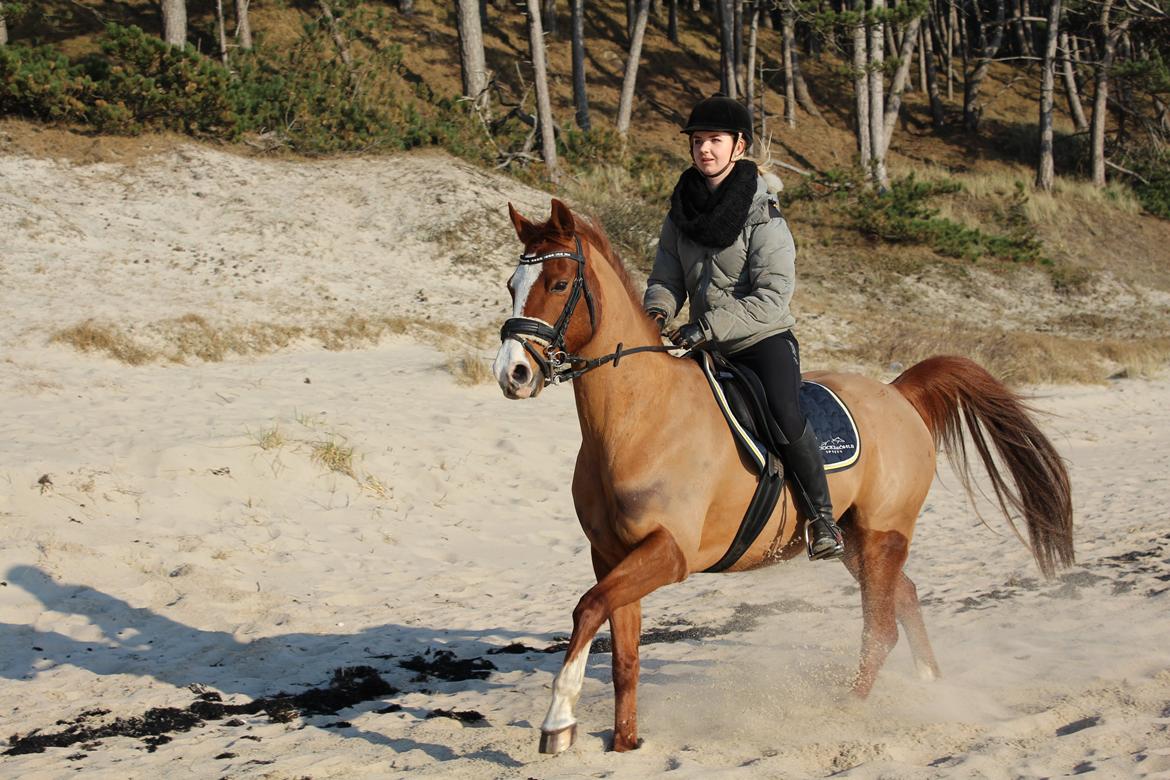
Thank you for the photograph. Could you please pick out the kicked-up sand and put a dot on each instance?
(344, 563)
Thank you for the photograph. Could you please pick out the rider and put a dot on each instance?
(725, 244)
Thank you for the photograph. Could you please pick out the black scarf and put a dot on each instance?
(716, 218)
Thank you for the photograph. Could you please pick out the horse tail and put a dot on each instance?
(948, 391)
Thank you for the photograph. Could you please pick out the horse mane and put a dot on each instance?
(596, 236)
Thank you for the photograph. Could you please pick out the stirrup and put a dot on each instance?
(828, 553)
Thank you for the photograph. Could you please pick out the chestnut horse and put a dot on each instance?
(660, 486)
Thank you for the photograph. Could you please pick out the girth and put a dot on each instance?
(741, 402)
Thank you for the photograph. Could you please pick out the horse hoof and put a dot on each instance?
(558, 741)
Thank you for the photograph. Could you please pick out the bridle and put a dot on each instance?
(555, 361)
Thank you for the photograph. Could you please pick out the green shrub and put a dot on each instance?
(39, 83)
(304, 95)
(141, 83)
(1153, 189)
(901, 215)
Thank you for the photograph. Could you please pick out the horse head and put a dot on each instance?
(554, 310)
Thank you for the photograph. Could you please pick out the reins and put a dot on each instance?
(556, 363)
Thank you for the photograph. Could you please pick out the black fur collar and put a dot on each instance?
(716, 218)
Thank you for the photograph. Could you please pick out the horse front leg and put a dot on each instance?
(626, 627)
(656, 561)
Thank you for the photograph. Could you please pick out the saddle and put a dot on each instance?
(740, 396)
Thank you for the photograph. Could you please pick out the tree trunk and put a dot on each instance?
(1075, 108)
(174, 14)
(1101, 96)
(629, 80)
(580, 94)
(1045, 168)
(952, 27)
(972, 108)
(1022, 42)
(936, 107)
(338, 39)
(406, 7)
(803, 98)
(763, 94)
(243, 26)
(901, 76)
(861, 85)
(877, 55)
(221, 32)
(923, 32)
(726, 48)
(548, 141)
(471, 54)
(672, 21)
(787, 43)
(548, 17)
(753, 37)
(737, 40)
(3, 27)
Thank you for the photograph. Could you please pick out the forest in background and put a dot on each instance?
(915, 140)
(349, 79)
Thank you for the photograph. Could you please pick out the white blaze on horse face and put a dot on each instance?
(566, 689)
(511, 352)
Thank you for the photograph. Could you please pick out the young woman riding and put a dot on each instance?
(725, 245)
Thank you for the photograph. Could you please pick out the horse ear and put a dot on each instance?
(523, 226)
(562, 218)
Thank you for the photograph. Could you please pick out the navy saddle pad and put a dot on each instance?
(740, 398)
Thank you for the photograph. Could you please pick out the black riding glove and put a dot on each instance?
(689, 336)
(659, 317)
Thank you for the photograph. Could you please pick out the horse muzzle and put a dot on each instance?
(515, 373)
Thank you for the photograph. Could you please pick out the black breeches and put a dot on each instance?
(776, 361)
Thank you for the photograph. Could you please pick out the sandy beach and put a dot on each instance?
(174, 532)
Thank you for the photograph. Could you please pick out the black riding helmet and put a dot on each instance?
(720, 113)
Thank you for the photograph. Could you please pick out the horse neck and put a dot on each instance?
(613, 400)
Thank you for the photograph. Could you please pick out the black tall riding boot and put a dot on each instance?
(810, 492)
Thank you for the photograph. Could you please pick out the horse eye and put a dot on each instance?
(561, 286)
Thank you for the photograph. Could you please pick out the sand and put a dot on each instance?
(171, 532)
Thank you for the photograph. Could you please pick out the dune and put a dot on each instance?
(299, 560)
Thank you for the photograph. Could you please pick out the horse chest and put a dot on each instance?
(617, 517)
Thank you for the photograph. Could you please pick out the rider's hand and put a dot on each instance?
(688, 336)
(659, 317)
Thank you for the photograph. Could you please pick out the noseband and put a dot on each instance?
(555, 361)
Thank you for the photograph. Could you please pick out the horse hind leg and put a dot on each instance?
(909, 613)
(875, 559)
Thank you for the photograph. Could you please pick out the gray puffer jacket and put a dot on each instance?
(739, 295)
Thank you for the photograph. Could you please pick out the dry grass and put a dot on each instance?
(470, 368)
(1016, 358)
(334, 455)
(93, 336)
(377, 487)
(269, 438)
(1070, 199)
(613, 197)
(192, 336)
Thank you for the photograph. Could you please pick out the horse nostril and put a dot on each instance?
(520, 374)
